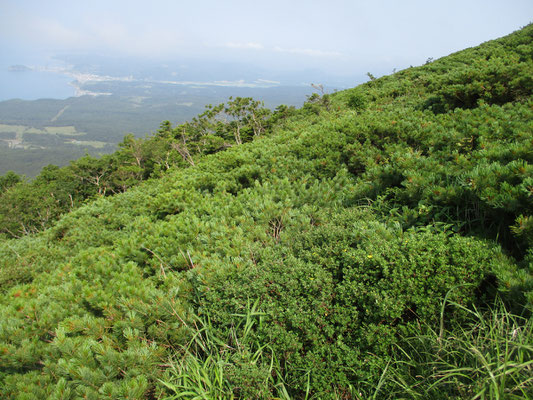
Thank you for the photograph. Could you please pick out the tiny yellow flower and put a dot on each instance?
(370, 256)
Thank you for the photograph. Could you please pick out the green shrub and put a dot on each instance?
(357, 101)
(337, 295)
(345, 227)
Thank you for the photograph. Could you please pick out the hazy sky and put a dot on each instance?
(336, 36)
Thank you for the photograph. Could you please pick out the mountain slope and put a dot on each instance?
(337, 235)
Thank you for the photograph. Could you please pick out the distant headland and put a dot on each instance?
(19, 68)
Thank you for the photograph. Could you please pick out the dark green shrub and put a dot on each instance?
(357, 101)
(96, 305)
(337, 295)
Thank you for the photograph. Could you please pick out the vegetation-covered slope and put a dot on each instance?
(316, 261)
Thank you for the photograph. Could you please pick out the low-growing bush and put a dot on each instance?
(337, 295)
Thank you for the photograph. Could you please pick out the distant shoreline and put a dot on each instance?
(19, 68)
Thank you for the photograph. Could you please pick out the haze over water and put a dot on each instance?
(32, 84)
(339, 38)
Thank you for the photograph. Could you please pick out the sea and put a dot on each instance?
(33, 84)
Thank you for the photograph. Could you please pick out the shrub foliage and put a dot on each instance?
(252, 253)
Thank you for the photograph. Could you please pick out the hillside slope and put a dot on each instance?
(301, 260)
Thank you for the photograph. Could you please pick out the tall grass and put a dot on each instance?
(229, 365)
(489, 357)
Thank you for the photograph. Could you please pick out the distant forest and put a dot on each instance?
(32, 133)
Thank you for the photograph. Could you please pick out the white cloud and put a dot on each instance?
(268, 82)
(237, 83)
(308, 52)
(40, 31)
(249, 45)
(87, 33)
